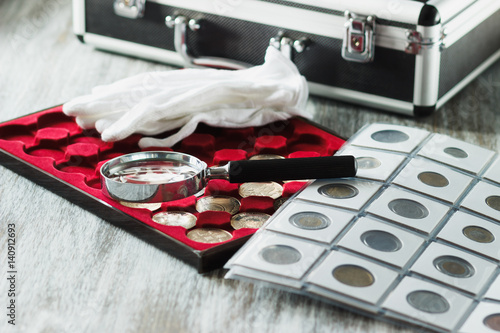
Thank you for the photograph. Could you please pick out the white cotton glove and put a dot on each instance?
(152, 103)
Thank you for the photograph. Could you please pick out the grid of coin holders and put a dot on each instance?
(414, 238)
(52, 142)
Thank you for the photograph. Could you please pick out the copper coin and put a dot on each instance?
(310, 221)
(456, 152)
(493, 322)
(280, 254)
(177, 219)
(433, 179)
(478, 234)
(408, 208)
(368, 163)
(279, 202)
(454, 266)
(209, 235)
(390, 136)
(266, 157)
(249, 220)
(218, 203)
(338, 191)
(150, 206)
(428, 301)
(494, 202)
(353, 275)
(381, 241)
(264, 189)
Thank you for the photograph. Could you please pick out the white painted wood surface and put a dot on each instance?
(77, 273)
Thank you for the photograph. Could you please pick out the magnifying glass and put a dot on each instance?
(160, 176)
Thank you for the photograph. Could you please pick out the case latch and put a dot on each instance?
(358, 44)
(129, 8)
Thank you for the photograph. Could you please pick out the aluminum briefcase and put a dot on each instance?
(404, 56)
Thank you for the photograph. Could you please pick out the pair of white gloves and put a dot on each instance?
(155, 102)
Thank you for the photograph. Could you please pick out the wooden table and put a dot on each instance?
(77, 273)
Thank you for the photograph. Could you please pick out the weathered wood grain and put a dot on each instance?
(77, 273)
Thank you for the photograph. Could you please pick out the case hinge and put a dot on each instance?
(130, 8)
(358, 44)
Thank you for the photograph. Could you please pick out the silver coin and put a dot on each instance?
(390, 136)
(264, 189)
(266, 157)
(433, 179)
(366, 163)
(178, 219)
(478, 234)
(493, 321)
(218, 203)
(454, 266)
(408, 208)
(455, 152)
(494, 202)
(428, 301)
(381, 241)
(280, 254)
(151, 206)
(209, 235)
(310, 221)
(338, 191)
(279, 202)
(353, 275)
(249, 220)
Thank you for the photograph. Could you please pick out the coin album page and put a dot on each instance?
(413, 239)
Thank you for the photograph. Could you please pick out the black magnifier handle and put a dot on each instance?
(292, 169)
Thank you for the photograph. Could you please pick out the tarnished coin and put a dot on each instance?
(249, 220)
(433, 179)
(390, 136)
(381, 241)
(209, 235)
(280, 254)
(338, 191)
(408, 208)
(151, 206)
(454, 266)
(493, 322)
(494, 202)
(478, 234)
(266, 157)
(310, 221)
(456, 152)
(178, 219)
(264, 189)
(219, 203)
(353, 275)
(367, 163)
(428, 301)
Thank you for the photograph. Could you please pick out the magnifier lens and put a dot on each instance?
(155, 172)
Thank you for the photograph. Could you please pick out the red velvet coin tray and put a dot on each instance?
(50, 149)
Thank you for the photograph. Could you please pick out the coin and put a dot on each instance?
(493, 201)
(265, 189)
(150, 206)
(280, 254)
(368, 162)
(266, 157)
(478, 234)
(454, 266)
(279, 202)
(353, 275)
(408, 208)
(390, 136)
(219, 203)
(493, 322)
(338, 191)
(178, 219)
(310, 220)
(249, 220)
(456, 152)
(381, 241)
(209, 235)
(428, 301)
(433, 179)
